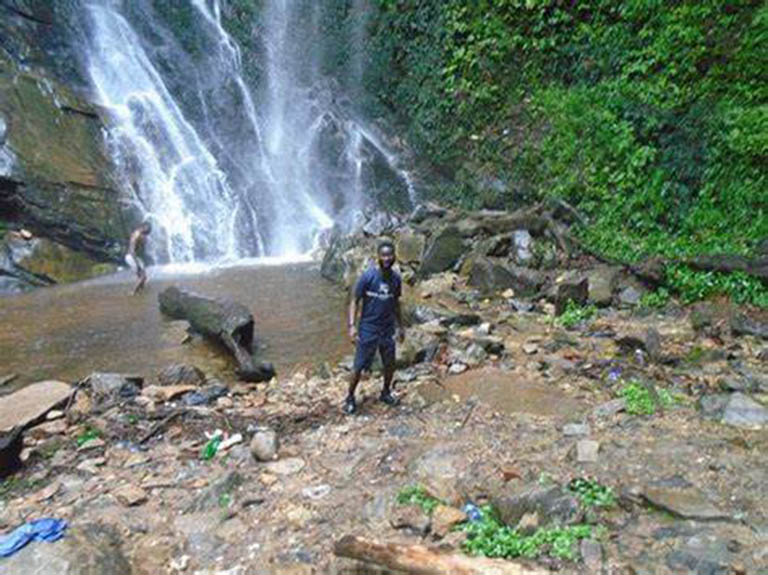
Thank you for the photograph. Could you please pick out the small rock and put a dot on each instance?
(57, 427)
(114, 385)
(610, 408)
(743, 325)
(521, 305)
(574, 290)
(530, 348)
(592, 554)
(575, 429)
(268, 479)
(528, 523)
(629, 296)
(457, 368)
(287, 466)
(130, 495)
(181, 374)
(53, 415)
(166, 393)
(586, 451)
(688, 503)
(264, 445)
(316, 492)
(444, 518)
(91, 465)
(94, 443)
(412, 518)
(742, 411)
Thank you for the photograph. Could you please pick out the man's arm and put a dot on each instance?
(132, 242)
(352, 318)
(399, 318)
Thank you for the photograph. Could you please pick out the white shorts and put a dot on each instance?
(135, 263)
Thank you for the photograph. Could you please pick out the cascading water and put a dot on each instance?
(223, 171)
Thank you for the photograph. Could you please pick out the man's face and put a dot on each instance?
(386, 257)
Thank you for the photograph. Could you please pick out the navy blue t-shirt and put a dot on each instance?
(379, 295)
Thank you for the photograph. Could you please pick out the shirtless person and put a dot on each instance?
(135, 245)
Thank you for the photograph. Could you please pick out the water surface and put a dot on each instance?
(66, 332)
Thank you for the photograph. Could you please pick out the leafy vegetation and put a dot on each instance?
(575, 314)
(417, 495)
(491, 538)
(651, 118)
(88, 434)
(640, 400)
(591, 493)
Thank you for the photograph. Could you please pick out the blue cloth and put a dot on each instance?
(37, 530)
(366, 351)
(380, 294)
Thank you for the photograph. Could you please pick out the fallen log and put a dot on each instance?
(757, 267)
(421, 560)
(225, 321)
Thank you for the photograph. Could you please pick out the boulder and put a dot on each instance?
(409, 246)
(575, 290)
(181, 374)
(114, 386)
(630, 296)
(551, 503)
(86, 549)
(601, 283)
(686, 502)
(444, 250)
(31, 403)
(444, 518)
(522, 253)
(490, 275)
(410, 518)
(426, 211)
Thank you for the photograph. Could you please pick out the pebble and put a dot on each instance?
(586, 451)
(264, 445)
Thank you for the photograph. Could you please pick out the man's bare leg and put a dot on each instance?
(386, 392)
(350, 405)
(140, 284)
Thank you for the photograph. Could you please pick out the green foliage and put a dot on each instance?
(87, 435)
(651, 118)
(655, 299)
(695, 285)
(575, 314)
(591, 493)
(491, 538)
(640, 400)
(417, 495)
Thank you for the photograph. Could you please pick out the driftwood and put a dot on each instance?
(421, 560)
(227, 322)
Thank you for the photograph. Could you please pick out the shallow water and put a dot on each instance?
(66, 332)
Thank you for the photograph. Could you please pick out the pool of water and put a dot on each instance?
(68, 331)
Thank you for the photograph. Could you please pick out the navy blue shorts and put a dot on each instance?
(366, 351)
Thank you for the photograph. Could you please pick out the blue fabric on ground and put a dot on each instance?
(38, 530)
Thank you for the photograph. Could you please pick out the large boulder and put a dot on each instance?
(87, 549)
(552, 504)
(444, 250)
(409, 246)
(489, 275)
(602, 280)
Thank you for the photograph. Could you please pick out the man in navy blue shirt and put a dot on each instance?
(379, 290)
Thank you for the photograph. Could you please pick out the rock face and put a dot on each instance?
(66, 193)
(85, 550)
(444, 250)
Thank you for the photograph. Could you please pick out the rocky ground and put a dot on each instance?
(501, 404)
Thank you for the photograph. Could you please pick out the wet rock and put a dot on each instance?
(551, 503)
(113, 386)
(742, 411)
(87, 549)
(743, 325)
(264, 445)
(601, 282)
(181, 374)
(410, 518)
(688, 503)
(130, 495)
(444, 518)
(574, 290)
(443, 251)
(409, 247)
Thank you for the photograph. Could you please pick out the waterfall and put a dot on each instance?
(226, 169)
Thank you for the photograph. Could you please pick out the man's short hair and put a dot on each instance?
(383, 244)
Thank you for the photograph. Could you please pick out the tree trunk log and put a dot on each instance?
(421, 560)
(227, 322)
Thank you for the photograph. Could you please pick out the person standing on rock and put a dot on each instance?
(135, 245)
(379, 290)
